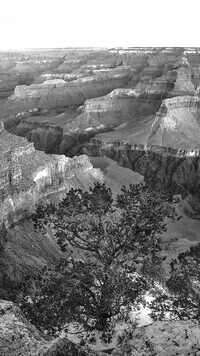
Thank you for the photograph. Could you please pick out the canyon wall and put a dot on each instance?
(52, 138)
(147, 98)
(123, 87)
(27, 175)
(177, 123)
(60, 93)
(163, 169)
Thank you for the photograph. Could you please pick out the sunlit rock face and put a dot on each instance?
(118, 107)
(162, 339)
(28, 175)
(19, 337)
(17, 334)
(172, 122)
(177, 123)
(57, 92)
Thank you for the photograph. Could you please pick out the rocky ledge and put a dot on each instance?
(162, 339)
(19, 337)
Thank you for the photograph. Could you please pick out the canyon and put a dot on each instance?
(70, 117)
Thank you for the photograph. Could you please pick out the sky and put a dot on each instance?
(102, 23)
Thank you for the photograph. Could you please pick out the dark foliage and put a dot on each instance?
(182, 300)
(3, 237)
(114, 250)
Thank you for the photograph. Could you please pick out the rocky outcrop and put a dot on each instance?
(19, 337)
(184, 81)
(162, 339)
(28, 175)
(180, 102)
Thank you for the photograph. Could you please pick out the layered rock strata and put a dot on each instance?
(177, 123)
(57, 92)
(51, 137)
(28, 175)
(118, 107)
(172, 122)
(165, 169)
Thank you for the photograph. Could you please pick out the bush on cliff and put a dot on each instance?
(113, 250)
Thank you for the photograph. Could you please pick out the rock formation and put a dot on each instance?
(28, 175)
(177, 123)
(19, 337)
(162, 339)
(58, 92)
(163, 169)
(120, 106)
(136, 96)
(121, 86)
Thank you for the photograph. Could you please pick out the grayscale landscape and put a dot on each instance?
(100, 201)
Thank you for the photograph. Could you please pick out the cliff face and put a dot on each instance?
(28, 175)
(164, 171)
(145, 96)
(118, 107)
(52, 138)
(58, 92)
(177, 123)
